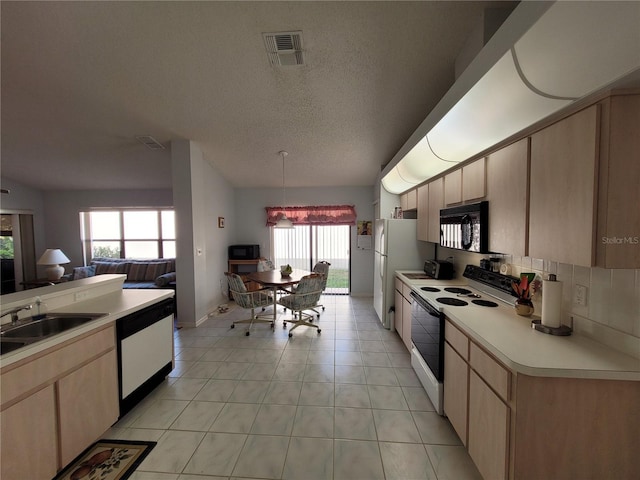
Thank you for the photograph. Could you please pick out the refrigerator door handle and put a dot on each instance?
(383, 259)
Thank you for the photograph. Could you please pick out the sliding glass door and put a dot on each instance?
(305, 245)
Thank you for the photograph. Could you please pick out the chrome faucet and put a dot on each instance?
(14, 313)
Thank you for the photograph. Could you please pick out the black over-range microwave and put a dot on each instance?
(465, 227)
(244, 252)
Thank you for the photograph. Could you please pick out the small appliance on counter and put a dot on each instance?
(438, 269)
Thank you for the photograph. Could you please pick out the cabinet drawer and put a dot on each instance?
(496, 376)
(457, 340)
(406, 292)
(399, 284)
(51, 366)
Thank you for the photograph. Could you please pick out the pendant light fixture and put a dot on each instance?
(283, 221)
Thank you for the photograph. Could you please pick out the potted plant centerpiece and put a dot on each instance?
(523, 304)
(286, 270)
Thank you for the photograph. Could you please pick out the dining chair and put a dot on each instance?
(306, 296)
(249, 300)
(322, 267)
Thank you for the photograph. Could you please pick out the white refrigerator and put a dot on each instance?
(396, 248)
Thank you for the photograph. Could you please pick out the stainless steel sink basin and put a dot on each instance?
(8, 345)
(51, 324)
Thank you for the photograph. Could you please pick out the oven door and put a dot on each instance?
(427, 334)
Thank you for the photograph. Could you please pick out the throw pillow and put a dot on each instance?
(166, 279)
(137, 272)
(83, 272)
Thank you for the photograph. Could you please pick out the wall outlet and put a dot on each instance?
(580, 295)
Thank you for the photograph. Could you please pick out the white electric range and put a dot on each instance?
(482, 290)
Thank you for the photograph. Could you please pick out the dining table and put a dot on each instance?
(275, 280)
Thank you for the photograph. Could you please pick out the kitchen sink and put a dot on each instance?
(34, 330)
(9, 345)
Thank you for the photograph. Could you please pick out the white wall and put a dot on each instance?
(201, 195)
(250, 220)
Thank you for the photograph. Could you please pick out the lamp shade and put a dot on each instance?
(283, 222)
(53, 257)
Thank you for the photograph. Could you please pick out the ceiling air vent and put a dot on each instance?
(284, 48)
(150, 142)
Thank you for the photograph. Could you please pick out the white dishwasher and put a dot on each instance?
(145, 351)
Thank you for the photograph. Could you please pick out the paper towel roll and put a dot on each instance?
(551, 303)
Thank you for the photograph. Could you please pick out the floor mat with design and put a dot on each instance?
(107, 460)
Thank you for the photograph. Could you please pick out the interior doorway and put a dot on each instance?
(17, 251)
(305, 245)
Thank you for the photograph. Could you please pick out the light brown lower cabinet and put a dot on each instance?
(456, 391)
(29, 438)
(55, 405)
(521, 427)
(86, 406)
(403, 312)
(488, 430)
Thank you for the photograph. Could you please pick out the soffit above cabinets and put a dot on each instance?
(565, 51)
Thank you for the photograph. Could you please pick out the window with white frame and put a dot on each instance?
(128, 233)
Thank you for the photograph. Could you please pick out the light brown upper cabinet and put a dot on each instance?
(584, 187)
(436, 202)
(423, 213)
(562, 209)
(618, 238)
(453, 187)
(508, 195)
(409, 200)
(474, 180)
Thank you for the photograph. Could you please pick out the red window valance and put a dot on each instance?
(314, 215)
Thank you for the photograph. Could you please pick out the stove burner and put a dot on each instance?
(457, 290)
(485, 303)
(456, 302)
(430, 289)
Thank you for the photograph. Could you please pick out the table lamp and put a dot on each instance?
(53, 257)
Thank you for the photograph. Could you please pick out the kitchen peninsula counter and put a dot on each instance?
(510, 338)
(61, 393)
(95, 295)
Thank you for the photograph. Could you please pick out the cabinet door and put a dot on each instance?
(563, 181)
(408, 200)
(88, 404)
(29, 440)
(618, 214)
(456, 374)
(453, 187)
(406, 322)
(507, 193)
(474, 180)
(436, 203)
(398, 314)
(423, 212)
(488, 430)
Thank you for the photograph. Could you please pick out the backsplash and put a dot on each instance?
(612, 312)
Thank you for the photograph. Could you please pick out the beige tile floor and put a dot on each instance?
(344, 404)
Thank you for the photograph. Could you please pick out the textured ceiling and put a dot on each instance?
(81, 79)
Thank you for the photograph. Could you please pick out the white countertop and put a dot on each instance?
(116, 305)
(524, 350)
